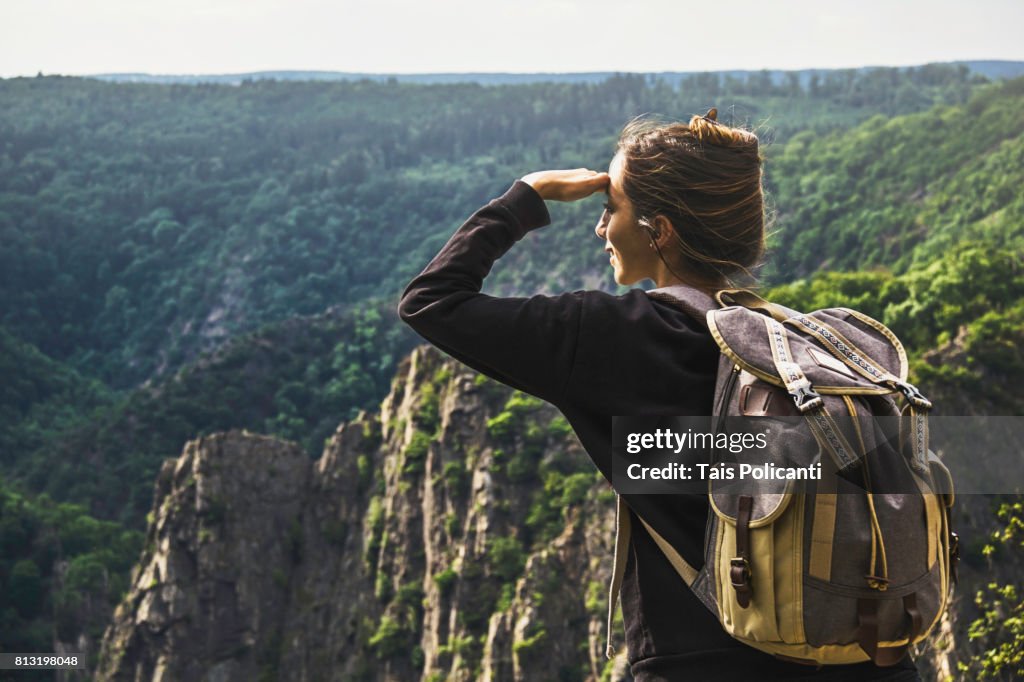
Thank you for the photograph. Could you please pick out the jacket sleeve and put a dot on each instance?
(527, 343)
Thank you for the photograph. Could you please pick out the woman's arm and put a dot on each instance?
(527, 343)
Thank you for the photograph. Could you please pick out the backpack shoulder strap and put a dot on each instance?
(697, 303)
(691, 300)
(623, 531)
(748, 299)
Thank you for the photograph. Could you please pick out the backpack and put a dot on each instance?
(830, 571)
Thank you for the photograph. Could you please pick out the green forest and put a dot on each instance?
(179, 259)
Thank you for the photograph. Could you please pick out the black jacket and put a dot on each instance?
(594, 355)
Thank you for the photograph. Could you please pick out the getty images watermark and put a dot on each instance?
(671, 455)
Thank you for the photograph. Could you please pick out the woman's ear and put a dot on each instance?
(662, 231)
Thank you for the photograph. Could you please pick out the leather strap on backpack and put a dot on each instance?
(867, 630)
(739, 567)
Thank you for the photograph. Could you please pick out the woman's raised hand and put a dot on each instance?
(567, 185)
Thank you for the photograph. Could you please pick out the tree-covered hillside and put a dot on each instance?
(61, 573)
(961, 317)
(297, 379)
(144, 223)
(140, 224)
(901, 191)
(182, 259)
(40, 396)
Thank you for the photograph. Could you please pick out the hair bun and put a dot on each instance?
(708, 130)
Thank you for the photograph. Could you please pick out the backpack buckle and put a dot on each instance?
(739, 572)
(739, 576)
(913, 395)
(805, 397)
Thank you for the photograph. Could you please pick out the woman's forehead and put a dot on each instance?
(615, 175)
(615, 165)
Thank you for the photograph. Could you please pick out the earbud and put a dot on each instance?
(654, 232)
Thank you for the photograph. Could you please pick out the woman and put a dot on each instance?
(684, 207)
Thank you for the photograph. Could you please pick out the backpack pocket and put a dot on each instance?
(831, 612)
(758, 546)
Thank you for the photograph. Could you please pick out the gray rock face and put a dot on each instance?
(460, 534)
(214, 579)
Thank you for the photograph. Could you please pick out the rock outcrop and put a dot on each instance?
(460, 534)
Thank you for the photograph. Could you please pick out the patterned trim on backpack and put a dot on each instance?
(839, 345)
(837, 444)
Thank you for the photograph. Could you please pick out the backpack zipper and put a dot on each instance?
(730, 386)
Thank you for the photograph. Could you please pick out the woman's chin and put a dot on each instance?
(623, 279)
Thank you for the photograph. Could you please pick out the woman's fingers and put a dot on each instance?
(598, 182)
(567, 185)
(589, 184)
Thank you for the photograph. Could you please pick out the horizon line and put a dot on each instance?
(180, 74)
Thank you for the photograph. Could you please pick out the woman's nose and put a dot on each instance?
(602, 225)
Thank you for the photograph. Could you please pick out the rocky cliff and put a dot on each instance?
(460, 534)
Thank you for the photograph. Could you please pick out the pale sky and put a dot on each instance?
(429, 36)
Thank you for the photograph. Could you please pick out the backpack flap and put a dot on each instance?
(742, 336)
(768, 497)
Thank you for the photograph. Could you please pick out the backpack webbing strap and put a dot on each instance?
(828, 435)
(623, 531)
(807, 400)
(823, 523)
(797, 383)
(692, 301)
(748, 299)
(687, 572)
(919, 439)
(858, 360)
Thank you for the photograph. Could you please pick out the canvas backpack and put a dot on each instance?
(829, 571)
